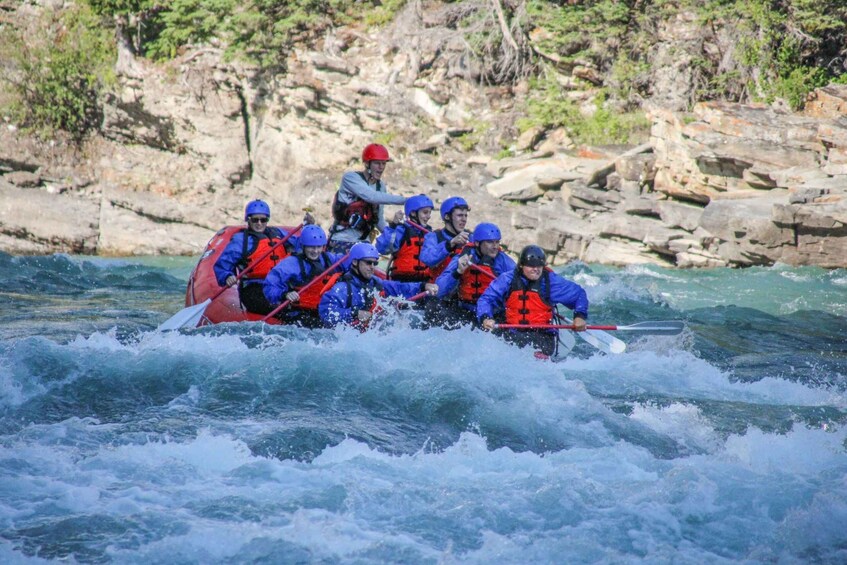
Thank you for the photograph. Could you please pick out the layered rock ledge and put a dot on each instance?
(184, 146)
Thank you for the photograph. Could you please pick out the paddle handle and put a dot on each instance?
(549, 327)
(305, 286)
(673, 327)
(417, 226)
(418, 296)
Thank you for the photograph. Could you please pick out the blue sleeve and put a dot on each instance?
(433, 252)
(404, 289)
(446, 282)
(333, 306)
(493, 300)
(226, 263)
(293, 244)
(388, 240)
(276, 284)
(503, 264)
(333, 257)
(570, 294)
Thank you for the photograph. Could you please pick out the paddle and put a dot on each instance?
(417, 297)
(305, 286)
(190, 316)
(605, 342)
(672, 327)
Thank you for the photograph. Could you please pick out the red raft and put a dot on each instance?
(202, 285)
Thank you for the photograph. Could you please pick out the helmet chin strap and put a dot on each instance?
(451, 224)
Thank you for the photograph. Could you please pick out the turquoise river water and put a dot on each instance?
(246, 443)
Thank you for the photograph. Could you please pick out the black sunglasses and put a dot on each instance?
(259, 220)
(370, 262)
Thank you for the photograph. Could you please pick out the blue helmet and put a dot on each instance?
(486, 232)
(415, 203)
(363, 250)
(257, 207)
(313, 236)
(452, 203)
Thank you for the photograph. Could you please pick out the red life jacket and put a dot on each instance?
(406, 262)
(265, 241)
(473, 282)
(443, 236)
(358, 214)
(529, 303)
(311, 297)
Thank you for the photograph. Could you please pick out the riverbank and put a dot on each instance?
(184, 144)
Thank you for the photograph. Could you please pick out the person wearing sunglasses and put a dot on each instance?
(357, 207)
(254, 242)
(352, 300)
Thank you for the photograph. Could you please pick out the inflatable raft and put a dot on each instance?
(202, 285)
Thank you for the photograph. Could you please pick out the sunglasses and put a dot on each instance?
(370, 262)
(259, 220)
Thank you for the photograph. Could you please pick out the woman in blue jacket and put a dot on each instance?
(403, 241)
(528, 295)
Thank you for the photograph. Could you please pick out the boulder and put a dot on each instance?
(679, 215)
(59, 222)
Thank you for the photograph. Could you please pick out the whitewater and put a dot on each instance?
(247, 443)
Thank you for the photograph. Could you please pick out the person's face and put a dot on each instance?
(459, 218)
(424, 214)
(366, 268)
(258, 222)
(489, 248)
(312, 252)
(376, 168)
(532, 273)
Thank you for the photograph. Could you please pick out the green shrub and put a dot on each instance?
(261, 31)
(785, 48)
(59, 71)
(549, 107)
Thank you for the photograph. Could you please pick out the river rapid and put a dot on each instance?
(247, 443)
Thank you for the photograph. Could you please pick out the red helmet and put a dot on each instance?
(375, 152)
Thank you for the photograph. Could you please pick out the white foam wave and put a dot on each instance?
(214, 501)
(678, 373)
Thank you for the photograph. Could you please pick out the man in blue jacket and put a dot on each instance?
(353, 299)
(528, 295)
(245, 247)
(441, 245)
(468, 275)
(292, 279)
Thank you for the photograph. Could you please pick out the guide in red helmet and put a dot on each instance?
(357, 205)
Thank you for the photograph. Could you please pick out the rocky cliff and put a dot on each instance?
(185, 144)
